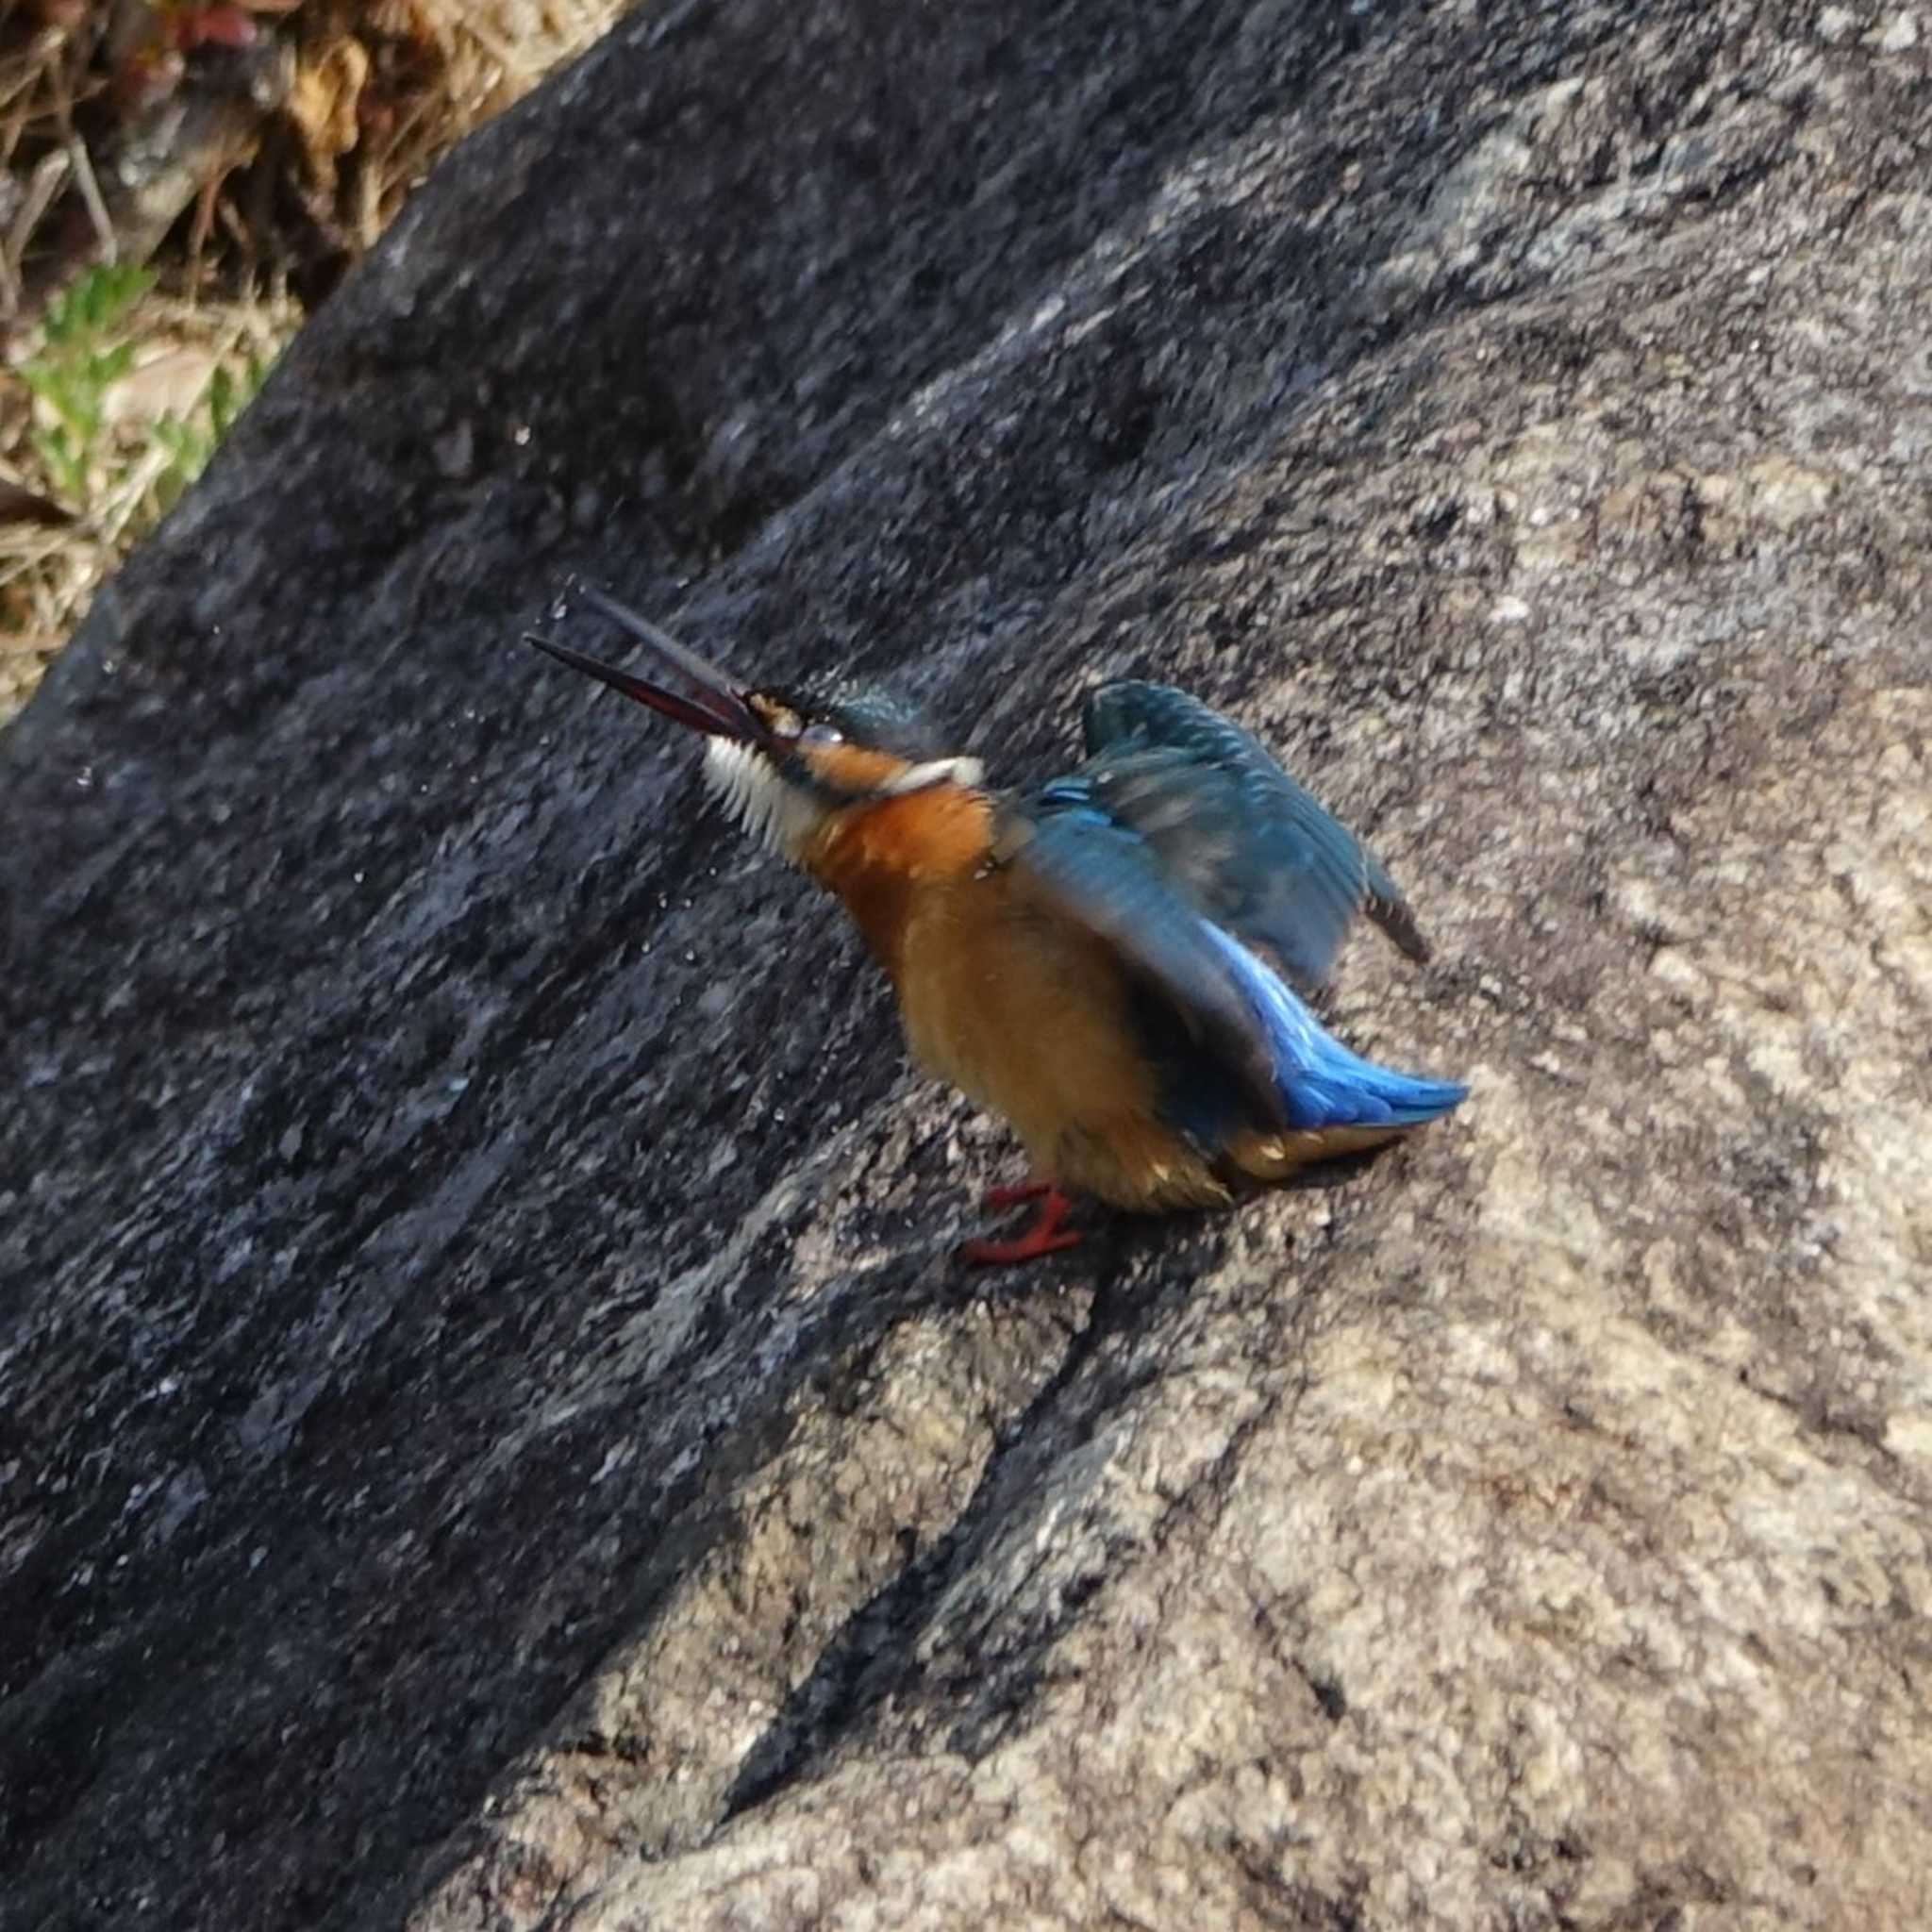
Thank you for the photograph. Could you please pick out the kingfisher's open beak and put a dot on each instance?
(713, 704)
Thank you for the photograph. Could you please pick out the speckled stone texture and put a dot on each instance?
(491, 1436)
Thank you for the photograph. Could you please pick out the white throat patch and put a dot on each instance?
(785, 816)
(779, 814)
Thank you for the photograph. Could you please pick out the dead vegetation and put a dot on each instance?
(247, 155)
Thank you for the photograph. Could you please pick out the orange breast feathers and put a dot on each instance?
(1023, 1008)
(887, 857)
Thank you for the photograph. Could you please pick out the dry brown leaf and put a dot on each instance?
(325, 104)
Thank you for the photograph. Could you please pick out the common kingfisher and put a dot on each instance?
(1080, 959)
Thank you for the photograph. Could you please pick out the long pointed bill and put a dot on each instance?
(712, 705)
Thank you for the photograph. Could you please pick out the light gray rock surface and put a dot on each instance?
(489, 1434)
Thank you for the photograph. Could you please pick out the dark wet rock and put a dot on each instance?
(491, 1430)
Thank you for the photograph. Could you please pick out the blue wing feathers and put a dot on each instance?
(1234, 1049)
(1178, 840)
(1247, 846)
(1322, 1083)
(1105, 876)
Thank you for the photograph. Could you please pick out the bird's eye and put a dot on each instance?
(822, 733)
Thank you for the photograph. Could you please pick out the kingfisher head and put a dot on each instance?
(787, 764)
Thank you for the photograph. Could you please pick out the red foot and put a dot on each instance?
(999, 1199)
(1045, 1236)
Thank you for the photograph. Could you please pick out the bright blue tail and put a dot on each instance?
(1322, 1084)
(1341, 1089)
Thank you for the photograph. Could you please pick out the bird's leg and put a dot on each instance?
(999, 1199)
(1045, 1236)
